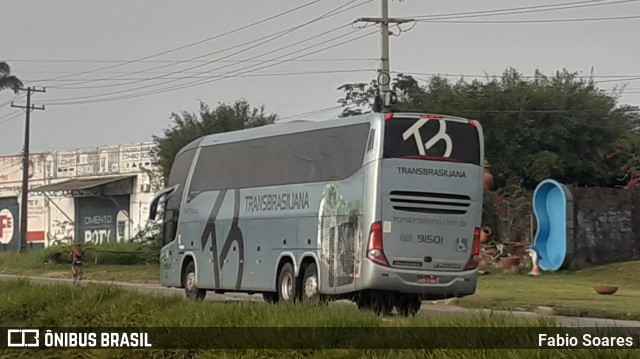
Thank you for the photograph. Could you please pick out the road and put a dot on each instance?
(427, 307)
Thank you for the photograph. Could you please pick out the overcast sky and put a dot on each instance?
(115, 70)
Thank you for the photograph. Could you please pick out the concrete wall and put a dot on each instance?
(606, 226)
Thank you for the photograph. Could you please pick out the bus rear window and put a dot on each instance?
(431, 139)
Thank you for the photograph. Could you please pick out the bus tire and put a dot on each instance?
(376, 302)
(310, 291)
(189, 281)
(287, 284)
(270, 297)
(408, 305)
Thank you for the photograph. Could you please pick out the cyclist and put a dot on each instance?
(76, 256)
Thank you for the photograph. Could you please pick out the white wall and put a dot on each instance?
(51, 218)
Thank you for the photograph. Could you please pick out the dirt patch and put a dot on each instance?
(57, 274)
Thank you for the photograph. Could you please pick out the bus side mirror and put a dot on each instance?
(153, 206)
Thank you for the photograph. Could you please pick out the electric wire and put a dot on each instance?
(4, 120)
(315, 72)
(14, 98)
(202, 82)
(172, 81)
(521, 10)
(172, 61)
(200, 41)
(539, 21)
(267, 39)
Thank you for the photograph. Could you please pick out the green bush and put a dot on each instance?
(128, 253)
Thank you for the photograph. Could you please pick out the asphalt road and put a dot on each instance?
(427, 308)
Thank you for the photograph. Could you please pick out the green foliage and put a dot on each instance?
(627, 159)
(187, 127)
(536, 127)
(128, 253)
(8, 81)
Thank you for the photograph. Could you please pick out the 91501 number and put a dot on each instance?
(430, 238)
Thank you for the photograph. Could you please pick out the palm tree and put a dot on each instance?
(8, 81)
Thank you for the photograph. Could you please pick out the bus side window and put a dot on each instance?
(171, 217)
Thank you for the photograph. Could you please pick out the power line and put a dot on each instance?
(476, 112)
(202, 82)
(617, 77)
(172, 81)
(196, 83)
(311, 112)
(522, 10)
(324, 87)
(11, 100)
(267, 39)
(289, 73)
(4, 119)
(619, 80)
(10, 114)
(530, 21)
(168, 61)
(201, 41)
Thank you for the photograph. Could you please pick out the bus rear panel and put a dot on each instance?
(430, 205)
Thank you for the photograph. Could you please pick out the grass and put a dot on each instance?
(39, 305)
(126, 262)
(570, 293)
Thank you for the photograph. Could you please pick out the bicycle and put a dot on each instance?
(77, 271)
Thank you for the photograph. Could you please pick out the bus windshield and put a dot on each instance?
(431, 139)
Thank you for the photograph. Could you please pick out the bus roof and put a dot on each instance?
(297, 126)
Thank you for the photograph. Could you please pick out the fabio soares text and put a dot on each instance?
(585, 340)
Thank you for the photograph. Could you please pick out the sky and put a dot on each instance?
(114, 71)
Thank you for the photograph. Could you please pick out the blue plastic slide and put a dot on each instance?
(553, 208)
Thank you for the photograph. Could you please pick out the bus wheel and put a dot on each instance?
(189, 280)
(409, 305)
(287, 283)
(310, 290)
(376, 302)
(270, 297)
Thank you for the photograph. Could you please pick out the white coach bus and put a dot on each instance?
(382, 209)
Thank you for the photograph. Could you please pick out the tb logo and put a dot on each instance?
(441, 135)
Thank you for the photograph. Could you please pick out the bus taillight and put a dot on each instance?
(375, 252)
(474, 258)
(475, 248)
(473, 123)
(388, 116)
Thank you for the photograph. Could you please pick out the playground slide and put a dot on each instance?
(552, 206)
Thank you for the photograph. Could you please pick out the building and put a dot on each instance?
(98, 195)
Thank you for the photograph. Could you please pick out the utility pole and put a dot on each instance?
(24, 203)
(383, 100)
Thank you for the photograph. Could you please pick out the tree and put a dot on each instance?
(8, 81)
(537, 127)
(187, 127)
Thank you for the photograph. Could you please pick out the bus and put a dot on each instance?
(381, 209)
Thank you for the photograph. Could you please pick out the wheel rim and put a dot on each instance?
(191, 281)
(286, 287)
(311, 286)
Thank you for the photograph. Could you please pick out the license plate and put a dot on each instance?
(427, 280)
